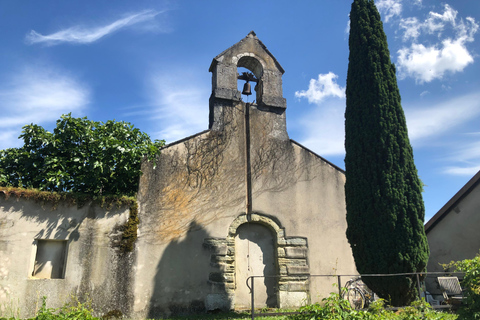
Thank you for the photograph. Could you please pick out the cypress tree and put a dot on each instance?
(385, 211)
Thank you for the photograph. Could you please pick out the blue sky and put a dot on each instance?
(146, 62)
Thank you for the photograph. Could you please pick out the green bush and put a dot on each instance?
(335, 308)
(70, 311)
(471, 282)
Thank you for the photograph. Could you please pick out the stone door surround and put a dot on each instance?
(291, 256)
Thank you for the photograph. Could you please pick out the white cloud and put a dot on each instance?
(441, 124)
(462, 171)
(38, 95)
(412, 28)
(450, 55)
(180, 105)
(428, 63)
(324, 130)
(424, 123)
(465, 156)
(82, 35)
(347, 28)
(318, 90)
(389, 8)
(436, 22)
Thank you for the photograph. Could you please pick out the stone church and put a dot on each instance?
(240, 199)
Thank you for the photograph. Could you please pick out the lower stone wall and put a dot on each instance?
(63, 253)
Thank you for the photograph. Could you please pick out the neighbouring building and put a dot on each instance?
(453, 231)
(237, 200)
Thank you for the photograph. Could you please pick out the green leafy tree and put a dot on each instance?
(385, 210)
(80, 156)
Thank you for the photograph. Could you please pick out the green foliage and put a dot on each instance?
(70, 311)
(81, 156)
(471, 282)
(385, 210)
(68, 198)
(335, 308)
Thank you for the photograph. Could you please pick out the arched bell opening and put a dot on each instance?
(252, 66)
(243, 85)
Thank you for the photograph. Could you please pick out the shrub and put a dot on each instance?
(471, 282)
(70, 311)
(335, 308)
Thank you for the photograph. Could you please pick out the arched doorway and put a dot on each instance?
(266, 242)
(255, 256)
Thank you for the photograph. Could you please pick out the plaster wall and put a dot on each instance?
(92, 265)
(455, 237)
(198, 189)
(306, 194)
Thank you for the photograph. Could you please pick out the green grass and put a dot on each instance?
(227, 315)
(333, 308)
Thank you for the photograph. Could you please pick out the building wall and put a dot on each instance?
(455, 237)
(80, 245)
(193, 201)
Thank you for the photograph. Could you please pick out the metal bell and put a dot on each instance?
(247, 90)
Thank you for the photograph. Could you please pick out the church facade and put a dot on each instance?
(240, 199)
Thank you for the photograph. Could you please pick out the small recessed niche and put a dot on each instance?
(50, 259)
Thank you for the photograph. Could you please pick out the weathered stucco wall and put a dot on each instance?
(92, 268)
(217, 204)
(190, 205)
(455, 237)
(238, 200)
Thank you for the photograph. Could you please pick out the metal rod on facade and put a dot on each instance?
(248, 173)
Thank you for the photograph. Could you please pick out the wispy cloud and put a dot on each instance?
(465, 158)
(389, 8)
(433, 121)
(84, 35)
(180, 105)
(425, 63)
(462, 171)
(442, 125)
(323, 129)
(38, 95)
(321, 88)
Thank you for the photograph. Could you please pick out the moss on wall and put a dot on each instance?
(129, 229)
